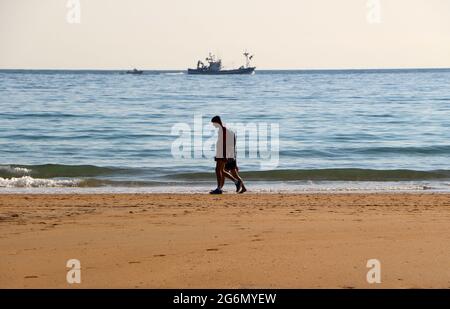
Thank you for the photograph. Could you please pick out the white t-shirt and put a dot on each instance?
(230, 144)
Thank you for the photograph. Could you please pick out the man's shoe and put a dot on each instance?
(243, 190)
(238, 185)
(216, 191)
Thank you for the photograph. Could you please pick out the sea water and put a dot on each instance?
(338, 130)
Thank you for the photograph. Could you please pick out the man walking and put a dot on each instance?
(226, 165)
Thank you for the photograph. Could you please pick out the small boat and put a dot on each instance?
(214, 67)
(135, 71)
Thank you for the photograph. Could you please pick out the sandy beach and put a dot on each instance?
(229, 241)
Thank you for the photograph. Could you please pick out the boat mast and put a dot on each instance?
(247, 58)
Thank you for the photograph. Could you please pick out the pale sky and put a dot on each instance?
(174, 34)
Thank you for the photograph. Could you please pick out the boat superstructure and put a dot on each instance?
(214, 66)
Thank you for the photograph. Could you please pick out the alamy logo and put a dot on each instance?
(74, 274)
(374, 274)
(74, 12)
(374, 11)
(254, 140)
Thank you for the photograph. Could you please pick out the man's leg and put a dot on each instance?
(229, 176)
(222, 173)
(219, 173)
(226, 174)
(220, 164)
(235, 174)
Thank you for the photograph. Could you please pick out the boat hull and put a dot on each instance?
(221, 72)
(135, 72)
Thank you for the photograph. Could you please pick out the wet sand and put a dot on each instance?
(229, 241)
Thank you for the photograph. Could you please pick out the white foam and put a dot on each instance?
(30, 182)
(70, 186)
(15, 170)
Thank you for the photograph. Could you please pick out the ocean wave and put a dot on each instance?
(344, 174)
(96, 176)
(57, 170)
(13, 170)
(30, 182)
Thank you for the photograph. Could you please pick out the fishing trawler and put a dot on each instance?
(214, 66)
(135, 71)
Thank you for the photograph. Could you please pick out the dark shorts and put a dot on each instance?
(230, 164)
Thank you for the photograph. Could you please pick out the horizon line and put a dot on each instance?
(262, 69)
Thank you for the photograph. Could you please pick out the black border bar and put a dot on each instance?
(147, 298)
